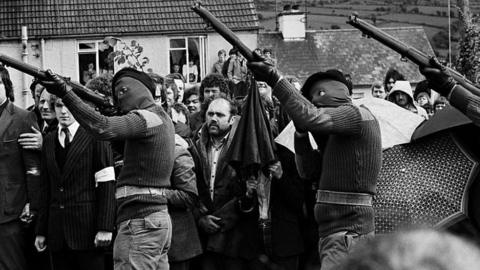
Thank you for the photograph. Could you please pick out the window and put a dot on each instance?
(93, 60)
(187, 57)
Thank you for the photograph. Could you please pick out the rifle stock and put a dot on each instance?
(83, 92)
(223, 30)
(406, 51)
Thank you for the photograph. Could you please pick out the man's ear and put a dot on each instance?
(232, 118)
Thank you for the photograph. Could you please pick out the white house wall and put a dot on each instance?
(14, 50)
(61, 55)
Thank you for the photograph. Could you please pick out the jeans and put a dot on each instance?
(335, 247)
(143, 243)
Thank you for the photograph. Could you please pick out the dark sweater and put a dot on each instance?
(466, 102)
(148, 153)
(351, 156)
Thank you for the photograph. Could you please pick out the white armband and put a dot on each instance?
(104, 175)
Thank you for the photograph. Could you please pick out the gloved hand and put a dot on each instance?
(264, 71)
(55, 84)
(438, 77)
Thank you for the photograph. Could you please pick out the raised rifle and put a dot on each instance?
(223, 30)
(103, 102)
(406, 51)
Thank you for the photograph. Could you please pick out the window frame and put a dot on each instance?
(202, 53)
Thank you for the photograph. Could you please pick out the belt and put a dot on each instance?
(126, 191)
(344, 198)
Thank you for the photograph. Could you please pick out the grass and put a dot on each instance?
(323, 17)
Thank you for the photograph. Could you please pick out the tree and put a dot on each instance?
(440, 40)
(468, 62)
(129, 54)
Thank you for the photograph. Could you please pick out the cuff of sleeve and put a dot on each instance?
(283, 89)
(302, 143)
(460, 97)
(70, 97)
(246, 204)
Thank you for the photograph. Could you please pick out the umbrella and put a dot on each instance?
(441, 120)
(433, 180)
(252, 147)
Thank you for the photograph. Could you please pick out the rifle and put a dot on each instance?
(223, 30)
(104, 103)
(406, 51)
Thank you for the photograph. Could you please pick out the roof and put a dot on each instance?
(79, 18)
(365, 59)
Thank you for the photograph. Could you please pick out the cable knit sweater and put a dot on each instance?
(148, 153)
(351, 156)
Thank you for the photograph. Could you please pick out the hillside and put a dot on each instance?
(332, 14)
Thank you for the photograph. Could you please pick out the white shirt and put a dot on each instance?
(214, 154)
(72, 129)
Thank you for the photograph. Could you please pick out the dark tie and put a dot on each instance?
(66, 142)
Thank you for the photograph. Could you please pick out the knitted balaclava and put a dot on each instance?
(334, 96)
(139, 90)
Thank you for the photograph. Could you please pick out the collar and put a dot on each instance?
(222, 142)
(3, 106)
(72, 129)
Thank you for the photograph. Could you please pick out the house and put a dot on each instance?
(300, 52)
(67, 35)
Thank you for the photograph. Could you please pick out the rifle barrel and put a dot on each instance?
(82, 91)
(406, 51)
(223, 30)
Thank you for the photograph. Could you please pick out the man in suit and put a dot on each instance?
(77, 210)
(45, 114)
(19, 178)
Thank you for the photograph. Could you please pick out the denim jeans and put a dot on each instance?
(335, 247)
(143, 243)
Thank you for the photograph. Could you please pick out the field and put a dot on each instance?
(326, 16)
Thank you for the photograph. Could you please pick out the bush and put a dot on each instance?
(440, 40)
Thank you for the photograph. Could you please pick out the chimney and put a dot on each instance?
(291, 23)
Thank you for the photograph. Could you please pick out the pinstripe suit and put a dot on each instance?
(73, 208)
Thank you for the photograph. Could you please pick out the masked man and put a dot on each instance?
(349, 155)
(149, 145)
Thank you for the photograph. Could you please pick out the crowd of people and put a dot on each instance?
(151, 186)
(397, 89)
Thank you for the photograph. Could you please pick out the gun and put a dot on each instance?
(223, 30)
(406, 51)
(104, 103)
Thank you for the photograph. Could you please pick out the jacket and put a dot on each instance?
(19, 168)
(74, 207)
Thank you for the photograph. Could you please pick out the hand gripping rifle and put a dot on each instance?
(406, 51)
(104, 103)
(223, 30)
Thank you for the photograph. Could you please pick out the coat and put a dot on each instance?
(286, 202)
(19, 168)
(74, 207)
(226, 194)
(182, 198)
